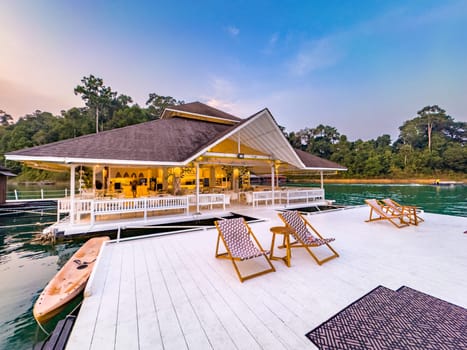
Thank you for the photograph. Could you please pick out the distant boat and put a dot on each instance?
(446, 183)
(69, 281)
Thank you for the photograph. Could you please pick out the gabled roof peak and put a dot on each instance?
(201, 111)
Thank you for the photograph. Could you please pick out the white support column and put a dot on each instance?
(197, 187)
(148, 179)
(322, 180)
(276, 168)
(277, 175)
(212, 176)
(108, 180)
(72, 194)
(165, 175)
(273, 166)
(94, 181)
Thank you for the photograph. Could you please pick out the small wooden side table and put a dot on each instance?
(286, 232)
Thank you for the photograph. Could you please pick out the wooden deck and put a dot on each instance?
(171, 293)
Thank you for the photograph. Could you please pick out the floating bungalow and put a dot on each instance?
(195, 157)
(4, 174)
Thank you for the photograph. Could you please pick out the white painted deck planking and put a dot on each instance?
(171, 292)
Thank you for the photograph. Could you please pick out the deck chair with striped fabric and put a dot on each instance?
(237, 238)
(408, 210)
(397, 219)
(304, 238)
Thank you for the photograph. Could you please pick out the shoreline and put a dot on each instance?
(386, 181)
(425, 181)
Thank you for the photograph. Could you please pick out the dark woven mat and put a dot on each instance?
(387, 319)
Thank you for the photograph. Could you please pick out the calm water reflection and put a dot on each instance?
(26, 267)
(450, 200)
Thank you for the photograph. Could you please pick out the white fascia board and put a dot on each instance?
(68, 160)
(203, 115)
(235, 155)
(271, 118)
(7, 173)
(325, 169)
(240, 127)
(204, 150)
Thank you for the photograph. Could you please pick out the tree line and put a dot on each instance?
(430, 144)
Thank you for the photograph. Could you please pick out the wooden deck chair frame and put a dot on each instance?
(300, 244)
(385, 214)
(228, 254)
(408, 210)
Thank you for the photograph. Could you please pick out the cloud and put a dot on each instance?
(315, 55)
(233, 31)
(226, 106)
(221, 93)
(271, 44)
(222, 86)
(273, 39)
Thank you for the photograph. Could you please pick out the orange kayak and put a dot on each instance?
(69, 281)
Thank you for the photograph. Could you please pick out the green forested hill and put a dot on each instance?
(430, 144)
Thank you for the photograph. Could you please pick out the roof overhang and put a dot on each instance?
(7, 173)
(260, 132)
(66, 162)
(324, 169)
(168, 113)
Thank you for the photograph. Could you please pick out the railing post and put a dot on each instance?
(93, 213)
(66, 192)
(145, 208)
(16, 194)
(42, 193)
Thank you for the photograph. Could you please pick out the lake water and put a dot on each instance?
(26, 266)
(450, 200)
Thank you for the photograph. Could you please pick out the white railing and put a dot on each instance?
(37, 194)
(302, 196)
(264, 197)
(145, 205)
(96, 207)
(288, 197)
(208, 200)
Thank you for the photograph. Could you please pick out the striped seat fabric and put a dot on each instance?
(237, 238)
(294, 220)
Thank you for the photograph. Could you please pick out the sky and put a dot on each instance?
(363, 67)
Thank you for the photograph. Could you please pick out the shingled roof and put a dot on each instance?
(6, 172)
(164, 140)
(184, 133)
(200, 109)
(314, 162)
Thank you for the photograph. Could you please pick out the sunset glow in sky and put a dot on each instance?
(363, 67)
